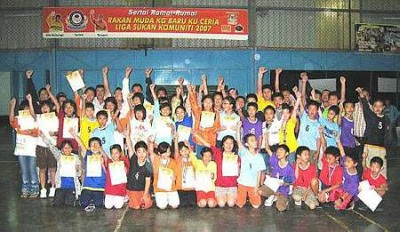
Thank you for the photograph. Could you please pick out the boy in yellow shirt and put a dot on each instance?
(88, 121)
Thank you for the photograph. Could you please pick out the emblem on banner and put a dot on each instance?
(77, 20)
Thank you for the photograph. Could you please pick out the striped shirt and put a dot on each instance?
(359, 121)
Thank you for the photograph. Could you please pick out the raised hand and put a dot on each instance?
(105, 70)
(304, 76)
(295, 89)
(29, 98)
(342, 80)
(359, 90)
(128, 71)
(220, 80)
(152, 87)
(148, 72)
(29, 74)
(81, 72)
(203, 78)
(278, 71)
(48, 88)
(181, 80)
(262, 70)
(13, 102)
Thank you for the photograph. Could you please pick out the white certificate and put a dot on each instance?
(117, 172)
(93, 166)
(48, 122)
(165, 178)
(188, 178)
(364, 185)
(370, 198)
(25, 120)
(203, 181)
(273, 183)
(183, 133)
(207, 119)
(75, 81)
(230, 165)
(70, 123)
(67, 168)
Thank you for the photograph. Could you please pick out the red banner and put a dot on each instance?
(128, 22)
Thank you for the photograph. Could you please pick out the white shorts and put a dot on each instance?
(163, 199)
(115, 201)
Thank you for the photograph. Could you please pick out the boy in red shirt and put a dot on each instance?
(306, 184)
(372, 173)
(331, 175)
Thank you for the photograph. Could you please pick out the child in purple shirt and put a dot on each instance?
(347, 124)
(281, 169)
(252, 125)
(345, 196)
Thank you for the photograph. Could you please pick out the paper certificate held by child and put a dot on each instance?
(207, 119)
(75, 81)
(25, 120)
(273, 183)
(184, 133)
(369, 196)
(230, 165)
(165, 179)
(68, 168)
(48, 122)
(188, 178)
(93, 167)
(117, 173)
(68, 124)
(203, 181)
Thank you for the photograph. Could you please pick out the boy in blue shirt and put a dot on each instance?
(308, 133)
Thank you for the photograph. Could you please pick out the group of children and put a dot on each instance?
(199, 149)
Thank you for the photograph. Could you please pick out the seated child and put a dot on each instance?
(372, 173)
(331, 175)
(228, 164)
(165, 175)
(186, 181)
(281, 169)
(68, 187)
(206, 174)
(306, 184)
(345, 196)
(139, 176)
(117, 168)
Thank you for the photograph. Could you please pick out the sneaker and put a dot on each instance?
(298, 203)
(43, 193)
(52, 192)
(34, 195)
(270, 201)
(24, 195)
(90, 208)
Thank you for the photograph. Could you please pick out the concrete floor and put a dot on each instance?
(38, 215)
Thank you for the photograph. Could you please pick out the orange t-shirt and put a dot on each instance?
(179, 175)
(171, 166)
(208, 134)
